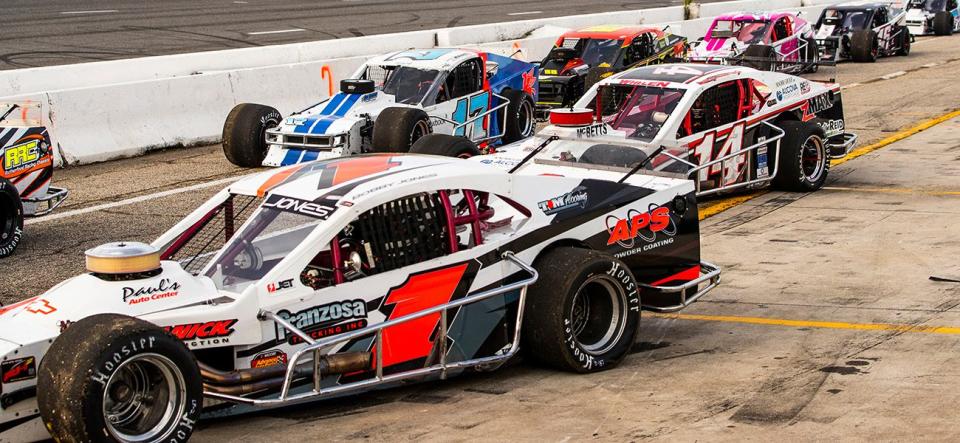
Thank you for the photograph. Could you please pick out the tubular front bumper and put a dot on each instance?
(840, 145)
(53, 198)
(709, 276)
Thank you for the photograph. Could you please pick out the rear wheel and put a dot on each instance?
(864, 47)
(804, 160)
(245, 133)
(11, 218)
(760, 57)
(583, 314)
(943, 23)
(111, 377)
(521, 120)
(904, 42)
(397, 129)
(445, 145)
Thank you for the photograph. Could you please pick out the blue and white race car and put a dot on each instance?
(940, 17)
(392, 101)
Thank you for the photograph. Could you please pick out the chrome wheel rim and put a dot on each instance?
(598, 315)
(144, 399)
(526, 118)
(419, 130)
(813, 159)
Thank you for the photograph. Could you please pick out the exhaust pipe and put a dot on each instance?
(245, 381)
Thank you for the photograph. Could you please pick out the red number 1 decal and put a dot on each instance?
(731, 167)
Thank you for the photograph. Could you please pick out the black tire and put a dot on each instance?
(396, 129)
(760, 57)
(101, 352)
(11, 218)
(612, 155)
(864, 47)
(812, 56)
(804, 157)
(594, 75)
(245, 132)
(521, 119)
(943, 23)
(590, 337)
(445, 145)
(904, 49)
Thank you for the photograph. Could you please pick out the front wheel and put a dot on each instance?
(943, 23)
(397, 129)
(804, 162)
(111, 377)
(904, 49)
(245, 133)
(864, 46)
(11, 218)
(583, 314)
(521, 120)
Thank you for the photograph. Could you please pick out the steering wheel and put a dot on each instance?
(249, 258)
(645, 130)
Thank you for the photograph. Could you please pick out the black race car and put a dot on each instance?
(862, 32)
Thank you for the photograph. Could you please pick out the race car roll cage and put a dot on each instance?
(779, 60)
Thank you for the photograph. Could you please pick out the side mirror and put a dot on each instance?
(492, 68)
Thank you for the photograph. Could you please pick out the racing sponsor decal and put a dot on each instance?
(302, 207)
(804, 87)
(19, 369)
(592, 130)
(577, 198)
(21, 156)
(652, 84)
(787, 91)
(324, 320)
(816, 106)
(831, 128)
(273, 357)
(166, 288)
(40, 306)
(203, 334)
(112, 362)
(280, 285)
(654, 228)
(500, 161)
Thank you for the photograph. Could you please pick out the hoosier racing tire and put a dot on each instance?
(11, 218)
(521, 121)
(583, 314)
(804, 157)
(760, 57)
(397, 129)
(245, 133)
(111, 377)
(942, 23)
(445, 145)
(864, 47)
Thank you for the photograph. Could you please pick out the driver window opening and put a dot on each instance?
(720, 105)
(198, 244)
(640, 111)
(411, 230)
(462, 81)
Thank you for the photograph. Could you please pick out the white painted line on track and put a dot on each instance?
(281, 31)
(893, 75)
(526, 13)
(130, 201)
(102, 11)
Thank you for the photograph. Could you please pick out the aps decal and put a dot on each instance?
(643, 225)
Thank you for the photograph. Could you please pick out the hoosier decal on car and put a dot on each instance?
(273, 357)
(202, 334)
(572, 199)
(19, 369)
(643, 225)
(324, 320)
(166, 288)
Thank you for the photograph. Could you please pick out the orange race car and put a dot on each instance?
(583, 57)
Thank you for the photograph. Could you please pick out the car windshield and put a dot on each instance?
(594, 51)
(269, 236)
(845, 19)
(929, 5)
(409, 85)
(640, 111)
(747, 31)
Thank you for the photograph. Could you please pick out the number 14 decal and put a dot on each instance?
(732, 167)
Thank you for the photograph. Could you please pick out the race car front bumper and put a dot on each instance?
(840, 145)
(685, 293)
(46, 203)
(832, 49)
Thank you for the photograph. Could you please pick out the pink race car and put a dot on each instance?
(780, 41)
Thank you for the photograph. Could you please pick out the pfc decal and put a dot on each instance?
(203, 334)
(165, 289)
(303, 207)
(19, 369)
(324, 320)
(592, 130)
(282, 284)
(645, 225)
(273, 357)
(573, 199)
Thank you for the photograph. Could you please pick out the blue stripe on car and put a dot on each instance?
(309, 156)
(292, 157)
(324, 123)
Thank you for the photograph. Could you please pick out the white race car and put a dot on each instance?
(940, 17)
(725, 127)
(392, 101)
(345, 275)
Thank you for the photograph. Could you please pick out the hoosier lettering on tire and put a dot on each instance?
(11, 218)
(111, 377)
(583, 313)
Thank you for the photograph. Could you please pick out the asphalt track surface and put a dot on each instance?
(56, 32)
(826, 325)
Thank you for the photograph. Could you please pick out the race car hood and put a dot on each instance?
(338, 114)
(43, 317)
(716, 47)
(827, 31)
(918, 14)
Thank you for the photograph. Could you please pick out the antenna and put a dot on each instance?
(536, 151)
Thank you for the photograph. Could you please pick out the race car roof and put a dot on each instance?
(673, 73)
(856, 6)
(435, 58)
(612, 32)
(758, 16)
